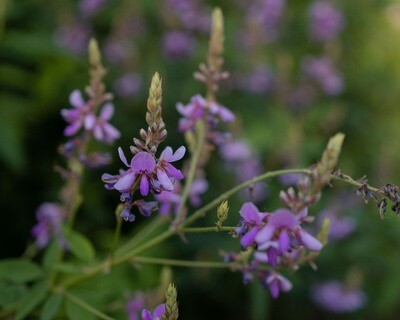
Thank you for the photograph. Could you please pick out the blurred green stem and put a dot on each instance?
(207, 229)
(185, 263)
(86, 306)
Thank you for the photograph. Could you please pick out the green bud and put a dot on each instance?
(222, 213)
(331, 154)
(171, 304)
(94, 53)
(324, 231)
(155, 93)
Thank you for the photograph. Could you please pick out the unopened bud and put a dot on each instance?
(94, 53)
(171, 304)
(222, 213)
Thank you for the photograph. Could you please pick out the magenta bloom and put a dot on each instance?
(326, 21)
(277, 283)
(252, 222)
(334, 296)
(50, 217)
(142, 166)
(81, 115)
(134, 306)
(157, 314)
(166, 172)
(102, 130)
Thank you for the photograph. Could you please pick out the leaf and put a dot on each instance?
(79, 245)
(51, 307)
(19, 271)
(31, 300)
(51, 255)
(75, 312)
(11, 294)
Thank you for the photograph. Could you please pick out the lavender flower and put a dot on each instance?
(326, 21)
(258, 81)
(157, 314)
(135, 306)
(277, 283)
(339, 227)
(334, 296)
(166, 172)
(50, 217)
(74, 36)
(129, 85)
(102, 130)
(322, 71)
(178, 45)
(90, 8)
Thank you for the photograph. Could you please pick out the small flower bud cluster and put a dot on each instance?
(92, 116)
(171, 304)
(145, 172)
(222, 214)
(276, 240)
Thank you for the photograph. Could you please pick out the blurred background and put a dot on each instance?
(300, 71)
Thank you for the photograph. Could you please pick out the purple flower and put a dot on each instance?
(177, 44)
(146, 207)
(339, 227)
(334, 296)
(157, 314)
(74, 36)
(127, 215)
(325, 21)
(90, 8)
(277, 283)
(258, 81)
(252, 222)
(322, 71)
(142, 166)
(134, 307)
(102, 130)
(81, 115)
(129, 85)
(166, 172)
(50, 217)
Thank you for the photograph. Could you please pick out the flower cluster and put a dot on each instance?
(277, 239)
(199, 108)
(145, 172)
(50, 217)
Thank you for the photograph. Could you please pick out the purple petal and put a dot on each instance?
(164, 180)
(143, 161)
(250, 212)
(261, 256)
(75, 99)
(159, 310)
(166, 154)
(248, 238)
(169, 156)
(125, 183)
(310, 242)
(265, 234)
(122, 156)
(272, 254)
(144, 186)
(146, 315)
(284, 241)
(89, 121)
(72, 128)
(111, 132)
(226, 115)
(173, 172)
(98, 132)
(283, 218)
(273, 288)
(107, 111)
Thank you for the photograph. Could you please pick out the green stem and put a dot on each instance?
(117, 231)
(192, 171)
(86, 306)
(207, 229)
(201, 212)
(141, 235)
(184, 263)
(350, 180)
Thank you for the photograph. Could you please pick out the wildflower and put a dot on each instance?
(50, 217)
(80, 116)
(134, 306)
(177, 44)
(129, 85)
(277, 283)
(326, 21)
(102, 130)
(157, 314)
(334, 296)
(166, 172)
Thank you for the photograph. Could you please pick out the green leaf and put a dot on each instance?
(51, 255)
(75, 312)
(10, 294)
(19, 271)
(31, 300)
(51, 307)
(79, 245)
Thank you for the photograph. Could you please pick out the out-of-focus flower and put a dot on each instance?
(178, 45)
(156, 315)
(322, 71)
(50, 217)
(102, 130)
(339, 227)
(334, 296)
(259, 81)
(277, 283)
(90, 8)
(74, 36)
(326, 21)
(129, 85)
(135, 306)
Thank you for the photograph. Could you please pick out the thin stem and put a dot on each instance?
(201, 212)
(347, 179)
(117, 232)
(141, 235)
(192, 171)
(185, 263)
(86, 306)
(207, 229)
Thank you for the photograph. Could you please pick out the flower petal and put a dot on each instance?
(173, 172)
(122, 156)
(144, 186)
(75, 99)
(159, 310)
(248, 238)
(310, 242)
(89, 121)
(178, 155)
(164, 180)
(250, 212)
(143, 161)
(125, 183)
(265, 234)
(107, 111)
